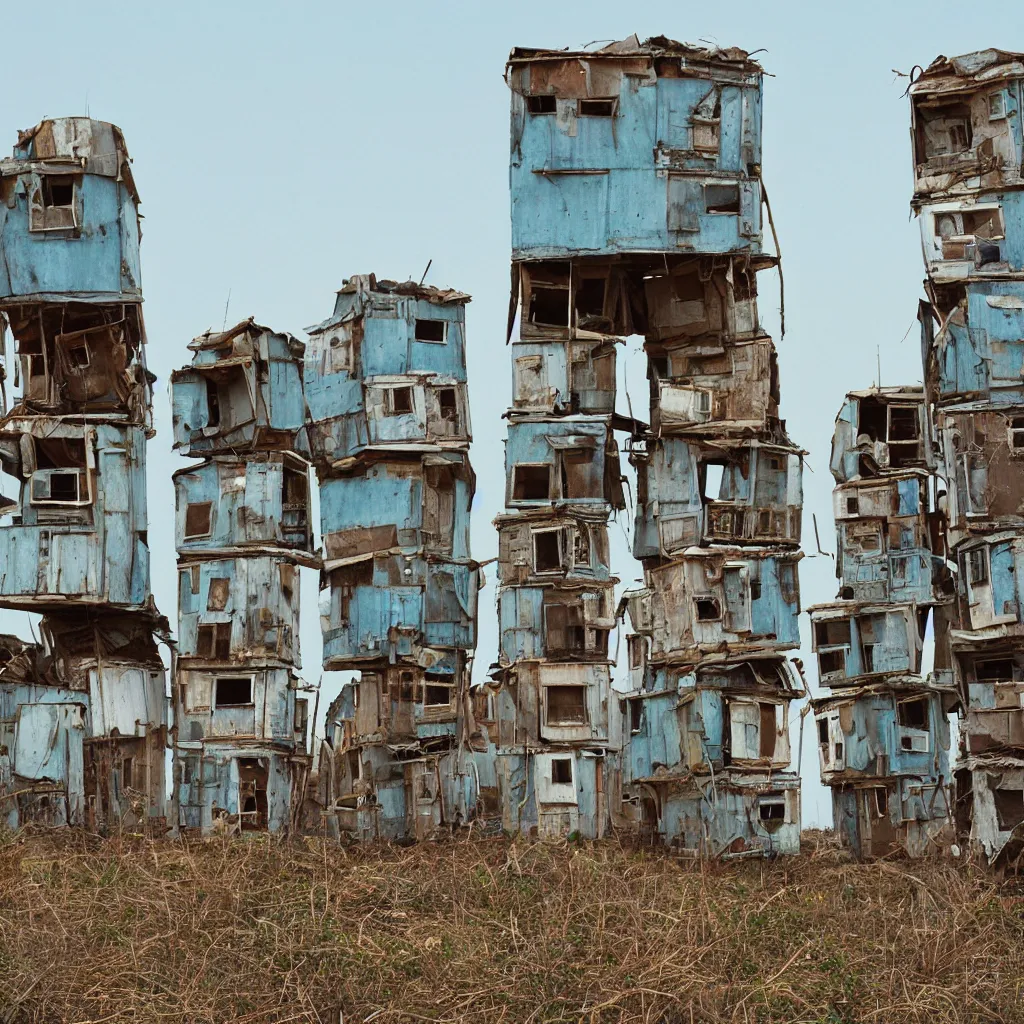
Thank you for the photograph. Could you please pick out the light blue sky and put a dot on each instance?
(280, 148)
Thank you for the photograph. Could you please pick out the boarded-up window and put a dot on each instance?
(52, 204)
(567, 705)
(198, 519)
(579, 480)
(564, 630)
(214, 640)
(217, 599)
(767, 730)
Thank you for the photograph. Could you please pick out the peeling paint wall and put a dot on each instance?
(241, 753)
(84, 712)
(968, 149)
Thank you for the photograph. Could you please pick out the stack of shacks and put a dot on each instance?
(883, 733)
(968, 142)
(718, 481)
(554, 724)
(385, 382)
(242, 530)
(636, 209)
(83, 713)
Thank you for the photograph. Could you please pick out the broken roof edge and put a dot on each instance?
(210, 339)
(366, 283)
(968, 71)
(654, 46)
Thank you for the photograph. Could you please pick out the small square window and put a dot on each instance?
(437, 695)
(198, 519)
(852, 506)
(772, 808)
(531, 483)
(540, 104)
(561, 771)
(214, 641)
(708, 609)
(567, 705)
(996, 106)
(232, 692)
(432, 331)
(399, 401)
(722, 198)
(547, 551)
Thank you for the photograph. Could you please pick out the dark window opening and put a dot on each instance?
(831, 661)
(772, 810)
(232, 692)
(406, 688)
(561, 771)
(214, 641)
(540, 104)
(437, 695)
(430, 330)
(595, 108)
(872, 419)
(549, 307)
(636, 714)
(1009, 808)
(567, 705)
(63, 486)
(708, 609)
(126, 773)
(58, 190)
(722, 198)
(913, 713)
(198, 519)
(581, 547)
(547, 551)
(400, 401)
(767, 733)
(448, 404)
(852, 506)
(590, 297)
(212, 404)
(823, 732)
(1017, 433)
(531, 483)
(868, 657)
(904, 424)
(995, 671)
(295, 487)
(832, 632)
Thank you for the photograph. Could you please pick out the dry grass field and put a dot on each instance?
(495, 930)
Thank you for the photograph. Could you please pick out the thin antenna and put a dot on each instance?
(878, 356)
(224, 327)
(425, 272)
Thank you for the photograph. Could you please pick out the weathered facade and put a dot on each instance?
(389, 429)
(968, 145)
(883, 732)
(243, 531)
(83, 712)
(637, 209)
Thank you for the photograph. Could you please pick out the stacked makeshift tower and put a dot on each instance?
(554, 727)
(242, 529)
(83, 715)
(385, 381)
(636, 209)
(968, 143)
(883, 732)
(718, 481)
